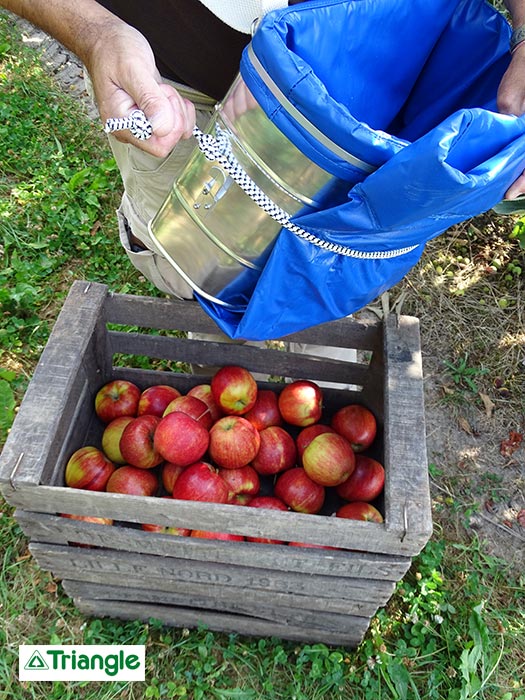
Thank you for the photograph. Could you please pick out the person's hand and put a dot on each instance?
(124, 76)
(511, 100)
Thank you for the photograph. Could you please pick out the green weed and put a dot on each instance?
(463, 375)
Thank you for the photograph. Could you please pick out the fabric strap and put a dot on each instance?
(240, 15)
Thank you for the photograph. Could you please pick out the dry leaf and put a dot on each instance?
(508, 447)
(489, 405)
(489, 506)
(521, 517)
(465, 425)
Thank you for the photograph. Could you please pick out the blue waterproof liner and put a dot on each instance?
(406, 88)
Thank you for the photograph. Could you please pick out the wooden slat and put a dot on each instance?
(69, 562)
(222, 622)
(49, 529)
(172, 314)
(277, 607)
(407, 491)
(263, 360)
(254, 522)
(228, 594)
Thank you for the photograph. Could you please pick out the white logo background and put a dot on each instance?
(81, 662)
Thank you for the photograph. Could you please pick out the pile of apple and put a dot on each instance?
(232, 442)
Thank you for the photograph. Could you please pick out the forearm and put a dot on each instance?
(77, 25)
(516, 10)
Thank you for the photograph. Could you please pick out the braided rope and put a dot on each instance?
(137, 124)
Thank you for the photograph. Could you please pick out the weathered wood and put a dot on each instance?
(49, 529)
(240, 605)
(264, 360)
(222, 622)
(289, 587)
(61, 378)
(172, 314)
(407, 491)
(254, 522)
(69, 562)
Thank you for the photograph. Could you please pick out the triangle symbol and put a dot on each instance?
(36, 662)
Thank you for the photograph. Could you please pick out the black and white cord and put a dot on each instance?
(137, 124)
(218, 149)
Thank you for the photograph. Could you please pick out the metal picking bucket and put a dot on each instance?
(208, 228)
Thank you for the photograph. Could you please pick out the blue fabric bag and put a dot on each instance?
(398, 99)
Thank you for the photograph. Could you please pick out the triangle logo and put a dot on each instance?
(36, 662)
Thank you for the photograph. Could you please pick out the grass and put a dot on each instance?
(455, 627)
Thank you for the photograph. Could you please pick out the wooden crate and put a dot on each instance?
(296, 593)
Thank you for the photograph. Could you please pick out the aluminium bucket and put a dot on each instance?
(208, 228)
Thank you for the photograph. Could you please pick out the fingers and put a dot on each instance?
(517, 188)
(171, 116)
(125, 78)
(183, 112)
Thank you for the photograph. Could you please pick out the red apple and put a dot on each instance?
(298, 491)
(271, 503)
(240, 499)
(277, 451)
(155, 398)
(242, 481)
(134, 481)
(329, 460)
(265, 410)
(357, 424)
(200, 482)
(111, 438)
(88, 468)
(365, 483)
(203, 392)
(301, 403)
(89, 518)
(117, 398)
(234, 442)
(206, 535)
(306, 436)
(309, 545)
(234, 389)
(169, 475)
(181, 439)
(359, 510)
(194, 407)
(137, 442)
(166, 529)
